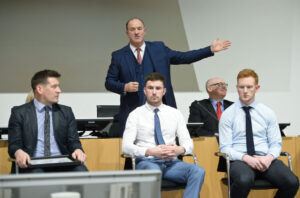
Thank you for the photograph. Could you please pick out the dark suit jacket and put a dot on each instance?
(203, 111)
(22, 129)
(122, 71)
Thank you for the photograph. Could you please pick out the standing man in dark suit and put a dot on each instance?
(44, 128)
(207, 110)
(133, 62)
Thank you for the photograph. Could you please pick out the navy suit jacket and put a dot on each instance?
(122, 71)
(22, 129)
(203, 111)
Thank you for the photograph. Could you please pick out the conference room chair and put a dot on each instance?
(259, 184)
(166, 185)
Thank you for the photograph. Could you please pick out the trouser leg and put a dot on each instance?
(281, 176)
(242, 179)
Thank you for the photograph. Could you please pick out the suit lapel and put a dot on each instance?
(151, 55)
(130, 62)
(55, 119)
(210, 108)
(33, 120)
(226, 104)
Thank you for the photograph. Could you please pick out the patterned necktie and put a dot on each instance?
(47, 132)
(158, 135)
(219, 111)
(139, 58)
(249, 133)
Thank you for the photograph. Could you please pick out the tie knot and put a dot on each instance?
(246, 109)
(219, 104)
(138, 49)
(156, 110)
(47, 109)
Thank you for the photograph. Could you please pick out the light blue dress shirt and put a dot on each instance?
(40, 115)
(214, 104)
(232, 131)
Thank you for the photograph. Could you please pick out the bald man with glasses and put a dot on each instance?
(209, 110)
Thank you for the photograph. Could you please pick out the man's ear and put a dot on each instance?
(164, 91)
(257, 87)
(209, 89)
(39, 89)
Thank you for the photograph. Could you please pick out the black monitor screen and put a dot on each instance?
(3, 132)
(107, 110)
(96, 127)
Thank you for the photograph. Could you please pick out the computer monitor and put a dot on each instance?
(107, 110)
(94, 126)
(3, 133)
(283, 126)
(106, 184)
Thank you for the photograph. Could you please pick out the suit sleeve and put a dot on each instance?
(73, 137)
(14, 133)
(196, 116)
(113, 82)
(188, 57)
(195, 113)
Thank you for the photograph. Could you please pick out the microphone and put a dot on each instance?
(216, 134)
(203, 108)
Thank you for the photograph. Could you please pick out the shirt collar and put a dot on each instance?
(40, 106)
(133, 48)
(253, 104)
(214, 102)
(151, 108)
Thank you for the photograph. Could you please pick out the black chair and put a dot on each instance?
(259, 184)
(166, 185)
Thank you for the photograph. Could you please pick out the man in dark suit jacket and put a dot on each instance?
(27, 127)
(206, 110)
(133, 62)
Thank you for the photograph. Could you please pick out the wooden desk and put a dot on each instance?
(4, 164)
(104, 154)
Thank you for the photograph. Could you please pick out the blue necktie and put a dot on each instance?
(249, 133)
(158, 135)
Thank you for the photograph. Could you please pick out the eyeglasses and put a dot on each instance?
(220, 84)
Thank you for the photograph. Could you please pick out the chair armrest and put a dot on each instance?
(226, 156)
(191, 154)
(123, 155)
(219, 154)
(289, 159)
(10, 159)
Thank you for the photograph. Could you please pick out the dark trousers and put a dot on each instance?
(242, 177)
(77, 168)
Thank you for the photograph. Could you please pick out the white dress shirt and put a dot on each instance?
(139, 131)
(142, 52)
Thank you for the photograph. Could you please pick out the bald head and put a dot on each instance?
(216, 88)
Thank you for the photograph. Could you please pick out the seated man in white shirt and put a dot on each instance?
(150, 135)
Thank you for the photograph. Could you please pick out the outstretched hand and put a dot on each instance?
(217, 45)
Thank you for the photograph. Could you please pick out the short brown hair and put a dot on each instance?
(155, 76)
(133, 19)
(42, 76)
(248, 73)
